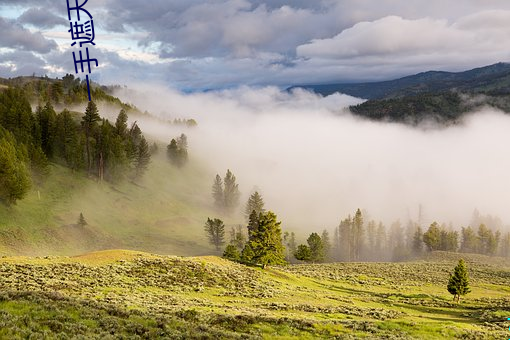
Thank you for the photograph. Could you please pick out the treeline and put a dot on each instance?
(66, 91)
(30, 140)
(357, 240)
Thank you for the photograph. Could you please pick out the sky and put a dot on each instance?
(194, 45)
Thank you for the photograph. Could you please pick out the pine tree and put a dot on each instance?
(215, 231)
(470, 243)
(316, 247)
(458, 284)
(89, 122)
(357, 234)
(326, 243)
(143, 158)
(81, 221)
(266, 241)
(121, 126)
(232, 253)
(432, 237)
(237, 237)
(217, 193)
(303, 253)
(231, 192)
(418, 241)
(14, 175)
(255, 203)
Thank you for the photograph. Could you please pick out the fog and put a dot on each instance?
(314, 163)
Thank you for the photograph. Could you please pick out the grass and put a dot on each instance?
(164, 212)
(132, 294)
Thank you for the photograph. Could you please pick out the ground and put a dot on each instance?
(128, 294)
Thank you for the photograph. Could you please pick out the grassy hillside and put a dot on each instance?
(164, 212)
(138, 295)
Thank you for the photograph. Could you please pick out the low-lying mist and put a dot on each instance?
(315, 163)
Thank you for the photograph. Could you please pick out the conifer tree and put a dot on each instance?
(458, 284)
(231, 192)
(357, 234)
(217, 192)
(143, 158)
(418, 241)
(303, 253)
(81, 220)
(326, 243)
(215, 231)
(232, 253)
(255, 203)
(266, 241)
(432, 237)
(316, 247)
(89, 122)
(14, 175)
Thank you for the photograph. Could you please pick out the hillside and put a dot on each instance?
(140, 295)
(443, 97)
(489, 79)
(165, 213)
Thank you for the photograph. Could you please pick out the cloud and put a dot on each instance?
(314, 163)
(41, 17)
(16, 36)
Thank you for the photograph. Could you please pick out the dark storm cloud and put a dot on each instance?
(16, 36)
(41, 17)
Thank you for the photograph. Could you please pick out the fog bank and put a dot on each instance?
(315, 163)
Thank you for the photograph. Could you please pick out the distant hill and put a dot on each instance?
(489, 79)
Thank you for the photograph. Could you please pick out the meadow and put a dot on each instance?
(136, 295)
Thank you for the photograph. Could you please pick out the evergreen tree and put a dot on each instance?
(505, 245)
(215, 231)
(121, 126)
(255, 203)
(46, 119)
(230, 192)
(381, 241)
(357, 234)
(470, 243)
(81, 220)
(266, 241)
(177, 151)
(67, 140)
(253, 224)
(217, 193)
(247, 254)
(458, 284)
(143, 158)
(14, 175)
(237, 237)
(418, 241)
(432, 237)
(303, 253)
(316, 247)
(345, 231)
(89, 123)
(232, 253)
(326, 243)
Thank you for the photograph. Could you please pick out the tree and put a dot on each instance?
(89, 122)
(247, 254)
(81, 220)
(232, 253)
(143, 158)
(345, 234)
(217, 192)
(326, 243)
(432, 237)
(177, 151)
(121, 126)
(289, 239)
(458, 284)
(231, 192)
(255, 203)
(303, 253)
(14, 175)
(266, 241)
(215, 230)
(418, 241)
(237, 237)
(357, 234)
(470, 242)
(316, 247)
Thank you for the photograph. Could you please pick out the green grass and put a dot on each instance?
(139, 295)
(164, 212)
